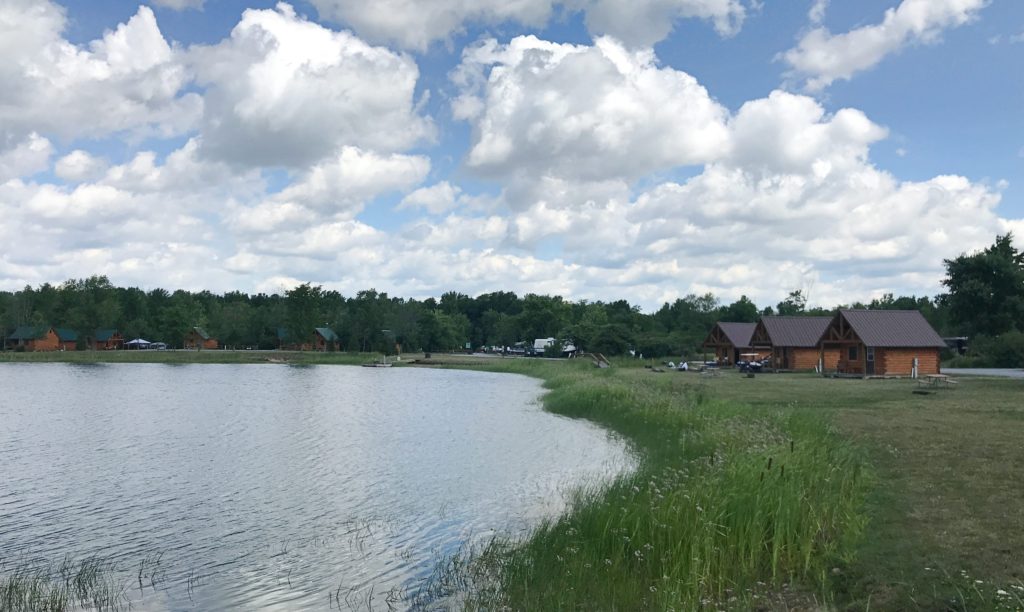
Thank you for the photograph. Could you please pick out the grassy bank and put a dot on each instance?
(732, 507)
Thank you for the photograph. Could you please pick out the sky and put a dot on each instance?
(594, 149)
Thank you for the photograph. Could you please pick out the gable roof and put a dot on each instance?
(201, 333)
(800, 332)
(66, 335)
(892, 328)
(30, 332)
(102, 335)
(739, 334)
(327, 333)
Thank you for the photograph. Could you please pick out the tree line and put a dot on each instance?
(984, 300)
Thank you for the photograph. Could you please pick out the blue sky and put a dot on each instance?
(579, 147)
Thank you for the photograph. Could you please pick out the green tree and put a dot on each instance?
(986, 289)
(794, 304)
(303, 306)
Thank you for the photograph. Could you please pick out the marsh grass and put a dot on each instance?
(89, 584)
(730, 508)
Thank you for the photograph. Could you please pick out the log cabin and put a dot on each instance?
(730, 340)
(107, 340)
(792, 342)
(883, 343)
(34, 338)
(67, 339)
(324, 339)
(197, 338)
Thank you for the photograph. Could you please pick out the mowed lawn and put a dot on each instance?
(947, 512)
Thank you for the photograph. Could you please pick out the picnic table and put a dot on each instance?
(936, 380)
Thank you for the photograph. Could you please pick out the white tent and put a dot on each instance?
(138, 343)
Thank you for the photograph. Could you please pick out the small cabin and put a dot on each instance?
(883, 343)
(324, 339)
(730, 340)
(107, 340)
(198, 339)
(67, 339)
(34, 338)
(792, 343)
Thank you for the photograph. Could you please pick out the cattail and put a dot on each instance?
(790, 446)
(769, 464)
(762, 476)
(782, 474)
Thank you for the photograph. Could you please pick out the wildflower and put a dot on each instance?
(607, 561)
(654, 589)
(1002, 593)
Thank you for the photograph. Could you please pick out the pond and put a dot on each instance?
(275, 486)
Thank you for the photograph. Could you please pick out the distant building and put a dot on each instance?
(792, 342)
(197, 338)
(730, 340)
(107, 340)
(34, 338)
(67, 338)
(883, 343)
(324, 339)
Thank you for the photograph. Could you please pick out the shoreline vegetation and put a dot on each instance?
(784, 491)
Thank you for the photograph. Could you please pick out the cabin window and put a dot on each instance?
(852, 354)
(870, 355)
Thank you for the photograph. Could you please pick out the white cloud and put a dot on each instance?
(822, 57)
(436, 199)
(284, 91)
(52, 87)
(79, 165)
(817, 12)
(180, 5)
(26, 158)
(415, 25)
(590, 113)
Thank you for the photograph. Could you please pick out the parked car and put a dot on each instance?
(158, 346)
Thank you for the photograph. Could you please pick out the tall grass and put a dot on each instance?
(89, 584)
(731, 507)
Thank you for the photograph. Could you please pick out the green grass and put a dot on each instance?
(732, 506)
(88, 584)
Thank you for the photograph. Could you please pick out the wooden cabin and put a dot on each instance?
(324, 339)
(730, 340)
(792, 343)
(198, 339)
(34, 338)
(883, 343)
(107, 340)
(67, 339)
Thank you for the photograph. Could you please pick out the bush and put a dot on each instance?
(1002, 351)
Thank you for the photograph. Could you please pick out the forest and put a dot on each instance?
(983, 300)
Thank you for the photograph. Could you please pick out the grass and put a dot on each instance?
(732, 507)
(88, 584)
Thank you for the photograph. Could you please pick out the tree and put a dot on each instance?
(740, 311)
(986, 289)
(794, 304)
(303, 307)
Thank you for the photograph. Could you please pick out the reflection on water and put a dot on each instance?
(277, 487)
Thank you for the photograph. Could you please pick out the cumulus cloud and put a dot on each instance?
(583, 112)
(415, 25)
(284, 91)
(27, 157)
(822, 57)
(53, 87)
(79, 165)
(436, 199)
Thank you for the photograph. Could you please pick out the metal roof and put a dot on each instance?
(739, 334)
(201, 333)
(30, 332)
(66, 335)
(102, 335)
(327, 333)
(892, 328)
(800, 332)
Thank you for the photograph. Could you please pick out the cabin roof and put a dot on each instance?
(739, 334)
(800, 332)
(327, 333)
(201, 333)
(30, 332)
(102, 335)
(892, 328)
(66, 335)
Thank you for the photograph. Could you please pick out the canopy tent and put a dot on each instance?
(138, 343)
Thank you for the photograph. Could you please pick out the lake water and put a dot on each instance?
(274, 486)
